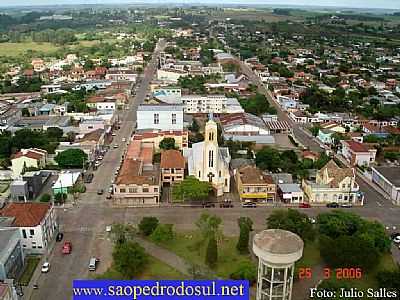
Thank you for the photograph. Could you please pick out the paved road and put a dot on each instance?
(85, 223)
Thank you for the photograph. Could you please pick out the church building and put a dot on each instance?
(208, 162)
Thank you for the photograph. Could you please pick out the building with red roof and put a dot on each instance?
(37, 223)
(28, 158)
(172, 166)
(357, 153)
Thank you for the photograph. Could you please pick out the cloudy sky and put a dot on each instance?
(391, 4)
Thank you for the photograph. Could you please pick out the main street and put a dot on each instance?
(85, 222)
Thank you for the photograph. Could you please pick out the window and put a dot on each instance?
(155, 189)
(132, 190)
(24, 233)
(31, 231)
(145, 190)
(173, 118)
(122, 190)
(211, 158)
(220, 174)
(156, 119)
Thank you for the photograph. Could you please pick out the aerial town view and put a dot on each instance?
(199, 149)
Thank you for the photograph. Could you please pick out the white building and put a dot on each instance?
(217, 104)
(163, 117)
(37, 223)
(122, 74)
(170, 74)
(208, 162)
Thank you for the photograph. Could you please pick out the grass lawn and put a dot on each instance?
(311, 256)
(188, 245)
(155, 269)
(31, 263)
(16, 49)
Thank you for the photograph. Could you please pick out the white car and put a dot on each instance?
(124, 139)
(396, 239)
(45, 267)
(115, 146)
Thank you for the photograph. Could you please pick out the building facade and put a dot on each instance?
(388, 179)
(161, 117)
(172, 167)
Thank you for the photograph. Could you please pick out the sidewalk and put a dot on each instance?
(164, 255)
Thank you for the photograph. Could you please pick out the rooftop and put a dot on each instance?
(26, 214)
(172, 159)
(278, 241)
(391, 174)
(253, 175)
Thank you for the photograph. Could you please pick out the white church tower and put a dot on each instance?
(208, 162)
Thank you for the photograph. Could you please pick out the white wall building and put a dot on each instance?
(208, 162)
(217, 104)
(37, 223)
(162, 117)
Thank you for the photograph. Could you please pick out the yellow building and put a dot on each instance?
(28, 158)
(253, 185)
(333, 185)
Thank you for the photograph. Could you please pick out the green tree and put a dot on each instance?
(147, 225)
(268, 159)
(129, 259)
(246, 270)
(163, 233)
(348, 252)
(209, 225)
(245, 226)
(25, 112)
(71, 158)
(191, 189)
(212, 252)
(389, 279)
(45, 198)
(315, 129)
(167, 144)
(292, 220)
(60, 198)
(120, 233)
(54, 133)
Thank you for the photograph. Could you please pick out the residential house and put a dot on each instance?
(171, 74)
(121, 75)
(290, 193)
(388, 179)
(11, 253)
(65, 181)
(358, 154)
(333, 185)
(101, 103)
(37, 224)
(154, 137)
(28, 158)
(162, 117)
(253, 185)
(172, 167)
(209, 162)
(325, 136)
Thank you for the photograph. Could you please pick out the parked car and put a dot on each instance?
(124, 139)
(87, 178)
(115, 146)
(46, 267)
(59, 237)
(249, 205)
(100, 192)
(346, 205)
(332, 205)
(394, 235)
(67, 248)
(226, 204)
(304, 205)
(397, 239)
(208, 204)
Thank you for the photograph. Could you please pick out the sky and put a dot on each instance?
(384, 4)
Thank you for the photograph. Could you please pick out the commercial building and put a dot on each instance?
(11, 253)
(162, 117)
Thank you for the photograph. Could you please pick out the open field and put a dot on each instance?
(16, 49)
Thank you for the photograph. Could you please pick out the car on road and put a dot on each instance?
(100, 192)
(397, 239)
(46, 267)
(249, 205)
(109, 196)
(304, 205)
(346, 205)
(394, 235)
(110, 189)
(93, 263)
(115, 146)
(59, 237)
(208, 204)
(124, 140)
(67, 248)
(113, 134)
(88, 177)
(226, 204)
(332, 205)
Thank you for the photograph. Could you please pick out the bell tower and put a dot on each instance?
(210, 154)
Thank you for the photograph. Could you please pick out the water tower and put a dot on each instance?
(277, 251)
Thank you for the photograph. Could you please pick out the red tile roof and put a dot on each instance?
(356, 147)
(26, 214)
(31, 153)
(172, 159)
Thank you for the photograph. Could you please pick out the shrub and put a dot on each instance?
(147, 225)
(45, 198)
